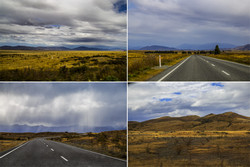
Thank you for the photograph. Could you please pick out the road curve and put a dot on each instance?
(203, 68)
(46, 153)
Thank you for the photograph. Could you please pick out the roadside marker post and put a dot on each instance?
(159, 60)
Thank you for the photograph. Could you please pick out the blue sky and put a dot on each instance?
(153, 100)
(68, 23)
(63, 104)
(175, 22)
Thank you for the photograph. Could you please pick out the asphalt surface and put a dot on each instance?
(46, 153)
(203, 68)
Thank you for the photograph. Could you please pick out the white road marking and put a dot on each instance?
(64, 158)
(213, 65)
(12, 150)
(52, 149)
(225, 72)
(173, 70)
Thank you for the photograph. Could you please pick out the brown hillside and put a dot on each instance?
(226, 121)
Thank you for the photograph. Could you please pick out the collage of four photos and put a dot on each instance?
(124, 83)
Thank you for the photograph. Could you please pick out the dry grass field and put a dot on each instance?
(189, 148)
(215, 140)
(141, 63)
(113, 143)
(25, 65)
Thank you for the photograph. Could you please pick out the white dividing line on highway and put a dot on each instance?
(64, 158)
(52, 149)
(13, 150)
(225, 72)
(173, 70)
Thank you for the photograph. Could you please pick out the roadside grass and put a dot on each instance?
(113, 143)
(62, 65)
(10, 140)
(189, 148)
(242, 57)
(141, 63)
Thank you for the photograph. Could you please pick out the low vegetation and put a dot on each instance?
(242, 57)
(10, 140)
(189, 148)
(141, 63)
(214, 140)
(17, 65)
(113, 143)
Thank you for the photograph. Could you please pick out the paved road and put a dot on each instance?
(203, 68)
(41, 152)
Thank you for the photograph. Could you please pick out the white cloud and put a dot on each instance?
(186, 99)
(54, 22)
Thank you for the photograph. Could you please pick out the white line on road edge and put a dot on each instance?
(90, 151)
(225, 72)
(52, 149)
(173, 70)
(64, 158)
(13, 150)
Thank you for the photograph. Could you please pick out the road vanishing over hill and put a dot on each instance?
(46, 153)
(203, 68)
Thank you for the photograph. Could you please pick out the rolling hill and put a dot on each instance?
(244, 47)
(226, 121)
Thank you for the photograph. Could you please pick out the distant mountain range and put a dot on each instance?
(157, 47)
(225, 121)
(36, 129)
(56, 48)
(209, 46)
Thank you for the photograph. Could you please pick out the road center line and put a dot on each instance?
(225, 72)
(52, 149)
(64, 158)
(12, 150)
(173, 70)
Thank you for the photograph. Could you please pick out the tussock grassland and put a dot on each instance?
(62, 65)
(242, 57)
(189, 148)
(113, 143)
(141, 63)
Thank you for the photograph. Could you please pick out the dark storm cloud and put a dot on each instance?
(75, 19)
(147, 101)
(91, 40)
(67, 104)
(172, 23)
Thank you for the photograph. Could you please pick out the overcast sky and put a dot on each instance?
(63, 22)
(153, 100)
(63, 104)
(174, 22)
